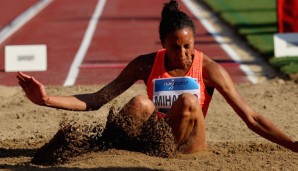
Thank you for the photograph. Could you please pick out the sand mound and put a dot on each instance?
(25, 128)
(72, 139)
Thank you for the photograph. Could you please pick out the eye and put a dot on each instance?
(176, 47)
(186, 46)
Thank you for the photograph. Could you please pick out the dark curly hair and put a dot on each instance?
(173, 19)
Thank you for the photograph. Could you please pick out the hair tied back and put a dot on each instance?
(169, 9)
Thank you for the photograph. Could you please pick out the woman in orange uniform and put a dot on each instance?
(180, 81)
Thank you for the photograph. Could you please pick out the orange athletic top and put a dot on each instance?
(195, 71)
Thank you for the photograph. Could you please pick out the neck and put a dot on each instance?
(176, 71)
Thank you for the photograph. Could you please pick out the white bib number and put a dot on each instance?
(167, 90)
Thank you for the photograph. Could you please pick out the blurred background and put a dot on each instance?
(91, 41)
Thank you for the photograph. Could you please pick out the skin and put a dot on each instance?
(185, 116)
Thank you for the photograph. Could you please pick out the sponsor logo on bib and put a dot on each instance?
(167, 90)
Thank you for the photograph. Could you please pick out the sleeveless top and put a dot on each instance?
(163, 89)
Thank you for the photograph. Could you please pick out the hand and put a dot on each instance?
(34, 90)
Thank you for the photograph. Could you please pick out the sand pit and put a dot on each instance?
(25, 128)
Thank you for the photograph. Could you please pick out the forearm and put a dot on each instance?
(258, 123)
(268, 130)
(65, 102)
(83, 102)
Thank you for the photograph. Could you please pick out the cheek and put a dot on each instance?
(190, 52)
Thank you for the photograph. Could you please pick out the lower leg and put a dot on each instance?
(188, 125)
(197, 138)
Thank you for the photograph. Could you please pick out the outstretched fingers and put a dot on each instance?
(22, 80)
(23, 77)
(26, 81)
(22, 84)
(34, 81)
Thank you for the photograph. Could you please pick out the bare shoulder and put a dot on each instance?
(139, 68)
(215, 75)
(145, 59)
(211, 71)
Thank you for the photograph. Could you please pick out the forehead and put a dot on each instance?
(184, 34)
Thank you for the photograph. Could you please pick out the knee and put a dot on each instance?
(140, 107)
(139, 101)
(189, 106)
(189, 102)
(142, 104)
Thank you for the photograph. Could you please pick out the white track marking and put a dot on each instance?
(74, 69)
(103, 65)
(22, 19)
(195, 9)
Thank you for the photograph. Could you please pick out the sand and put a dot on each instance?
(25, 128)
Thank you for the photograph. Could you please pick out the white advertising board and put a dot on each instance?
(285, 44)
(25, 58)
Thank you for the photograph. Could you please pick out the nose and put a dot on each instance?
(182, 51)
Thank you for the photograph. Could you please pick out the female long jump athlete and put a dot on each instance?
(180, 81)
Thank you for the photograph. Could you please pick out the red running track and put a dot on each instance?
(10, 9)
(125, 30)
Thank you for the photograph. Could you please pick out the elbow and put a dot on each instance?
(92, 107)
(89, 101)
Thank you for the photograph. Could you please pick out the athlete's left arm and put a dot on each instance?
(216, 76)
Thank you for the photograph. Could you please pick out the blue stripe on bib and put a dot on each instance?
(174, 84)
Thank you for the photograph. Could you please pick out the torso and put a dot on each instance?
(158, 70)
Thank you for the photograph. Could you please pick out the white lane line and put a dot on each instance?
(74, 69)
(22, 19)
(103, 65)
(196, 11)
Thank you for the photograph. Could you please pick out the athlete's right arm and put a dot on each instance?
(137, 69)
(36, 93)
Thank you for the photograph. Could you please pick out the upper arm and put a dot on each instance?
(216, 76)
(137, 69)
